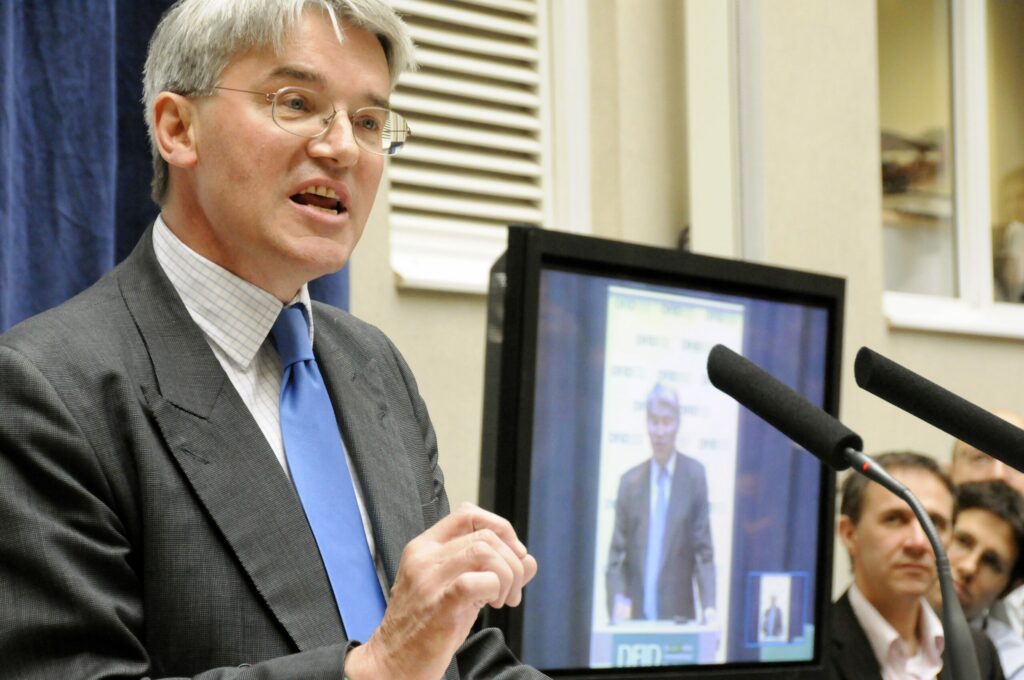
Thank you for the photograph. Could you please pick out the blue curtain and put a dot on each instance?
(74, 158)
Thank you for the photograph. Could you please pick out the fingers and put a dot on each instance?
(476, 587)
(483, 551)
(469, 518)
(482, 587)
(475, 540)
(482, 519)
(446, 575)
(530, 568)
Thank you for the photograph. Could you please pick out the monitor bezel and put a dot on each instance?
(510, 372)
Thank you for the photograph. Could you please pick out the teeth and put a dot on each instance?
(322, 191)
(326, 210)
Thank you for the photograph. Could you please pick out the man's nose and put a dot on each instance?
(967, 565)
(917, 540)
(337, 142)
(1001, 470)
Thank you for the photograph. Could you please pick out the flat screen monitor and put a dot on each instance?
(678, 535)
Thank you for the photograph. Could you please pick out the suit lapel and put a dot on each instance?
(373, 443)
(226, 459)
(852, 656)
(643, 495)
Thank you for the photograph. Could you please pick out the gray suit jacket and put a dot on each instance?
(687, 554)
(146, 528)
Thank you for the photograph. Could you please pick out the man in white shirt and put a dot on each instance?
(883, 627)
(969, 464)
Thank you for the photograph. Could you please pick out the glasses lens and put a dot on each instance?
(308, 114)
(301, 111)
(380, 131)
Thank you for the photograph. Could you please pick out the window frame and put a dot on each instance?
(974, 311)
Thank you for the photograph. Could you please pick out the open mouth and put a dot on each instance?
(322, 198)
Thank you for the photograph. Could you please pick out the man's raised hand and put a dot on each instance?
(446, 575)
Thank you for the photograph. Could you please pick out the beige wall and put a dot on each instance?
(821, 211)
(638, 133)
(639, 194)
(1006, 102)
(915, 81)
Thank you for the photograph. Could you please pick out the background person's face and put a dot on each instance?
(971, 465)
(662, 428)
(892, 558)
(982, 554)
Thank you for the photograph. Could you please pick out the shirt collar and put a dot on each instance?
(234, 314)
(883, 637)
(670, 467)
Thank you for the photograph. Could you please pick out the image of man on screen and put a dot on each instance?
(772, 625)
(661, 549)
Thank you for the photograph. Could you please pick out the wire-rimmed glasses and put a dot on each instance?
(307, 113)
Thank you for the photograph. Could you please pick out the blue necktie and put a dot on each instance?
(316, 458)
(655, 538)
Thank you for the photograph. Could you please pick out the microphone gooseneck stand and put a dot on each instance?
(839, 447)
(959, 652)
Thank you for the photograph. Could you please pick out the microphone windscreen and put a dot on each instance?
(786, 410)
(937, 406)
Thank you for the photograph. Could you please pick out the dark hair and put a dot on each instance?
(852, 501)
(1003, 501)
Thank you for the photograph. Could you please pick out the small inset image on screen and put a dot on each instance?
(778, 614)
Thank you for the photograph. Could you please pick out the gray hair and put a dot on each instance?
(662, 394)
(196, 39)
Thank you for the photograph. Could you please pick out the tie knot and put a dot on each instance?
(291, 336)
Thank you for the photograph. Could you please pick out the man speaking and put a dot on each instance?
(661, 545)
(202, 473)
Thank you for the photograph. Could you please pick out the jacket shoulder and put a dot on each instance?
(84, 328)
(850, 653)
(690, 465)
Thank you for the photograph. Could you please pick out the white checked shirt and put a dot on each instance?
(889, 648)
(236, 317)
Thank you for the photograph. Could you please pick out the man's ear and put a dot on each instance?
(847, 527)
(174, 130)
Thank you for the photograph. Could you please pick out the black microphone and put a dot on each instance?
(939, 407)
(787, 411)
(836, 445)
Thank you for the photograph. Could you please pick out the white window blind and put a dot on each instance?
(477, 158)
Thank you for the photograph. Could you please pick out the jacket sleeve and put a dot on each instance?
(615, 573)
(700, 541)
(484, 655)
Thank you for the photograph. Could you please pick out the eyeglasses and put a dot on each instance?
(306, 113)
